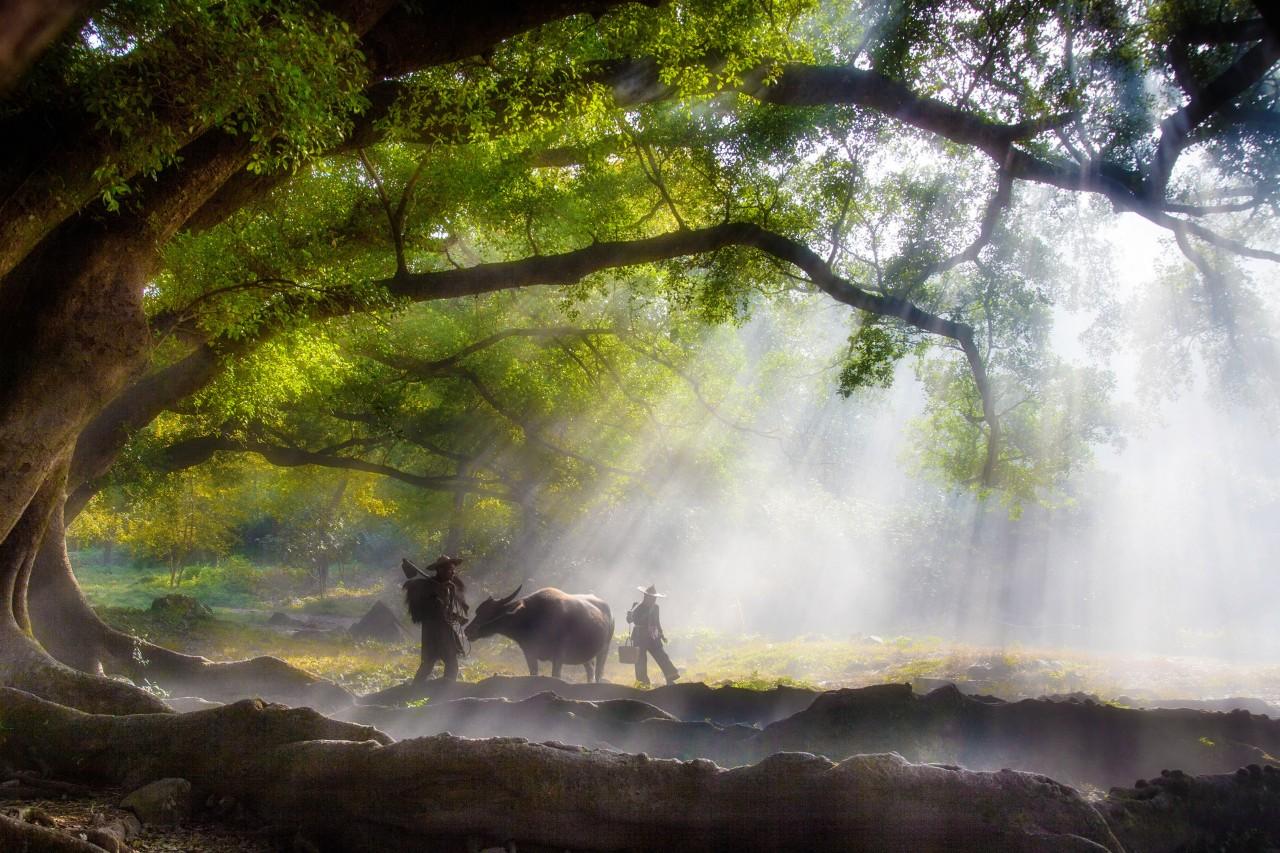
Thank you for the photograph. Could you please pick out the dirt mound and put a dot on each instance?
(379, 625)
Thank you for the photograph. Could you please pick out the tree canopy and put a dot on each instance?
(308, 230)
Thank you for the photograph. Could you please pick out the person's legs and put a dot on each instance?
(450, 663)
(429, 659)
(669, 670)
(642, 665)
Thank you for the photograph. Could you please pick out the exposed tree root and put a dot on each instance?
(25, 666)
(73, 633)
(204, 747)
(347, 789)
(344, 787)
(22, 837)
(1077, 742)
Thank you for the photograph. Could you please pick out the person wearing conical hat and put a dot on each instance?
(647, 636)
(437, 602)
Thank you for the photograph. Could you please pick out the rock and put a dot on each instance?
(284, 620)
(114, 837)
(380, 625)
(165, 801)
(180, 607)
(928, 685)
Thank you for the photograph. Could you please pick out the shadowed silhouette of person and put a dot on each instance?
(647, 636)
(436, 599)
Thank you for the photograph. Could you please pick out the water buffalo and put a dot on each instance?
(550, 625)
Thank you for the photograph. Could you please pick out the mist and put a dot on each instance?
(826, 523)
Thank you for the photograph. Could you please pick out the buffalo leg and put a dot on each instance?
(591, 671)
(600, 662)
(531, 659)
(556, 664)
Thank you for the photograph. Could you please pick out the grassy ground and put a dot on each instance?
(242, 605)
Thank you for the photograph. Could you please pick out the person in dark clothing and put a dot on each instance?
(436, 599)
(647, 636)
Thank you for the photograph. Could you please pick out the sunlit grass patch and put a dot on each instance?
(340, 600)
(752, 662)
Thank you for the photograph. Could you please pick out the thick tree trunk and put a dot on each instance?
(73, 633)
(76, 334)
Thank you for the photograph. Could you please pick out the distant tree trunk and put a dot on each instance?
(456, 529)
(322, 575)
(324, 557)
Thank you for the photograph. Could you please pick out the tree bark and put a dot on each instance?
(350, 791)
(67, 626)
(27, 27)
(23, 663)
(29, 838)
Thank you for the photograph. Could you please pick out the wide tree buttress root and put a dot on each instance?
(23, 663)
(73, 633)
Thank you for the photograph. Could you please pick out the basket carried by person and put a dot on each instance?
(627, 652)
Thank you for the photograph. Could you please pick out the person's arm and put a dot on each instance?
(631, 614)
(657, 624)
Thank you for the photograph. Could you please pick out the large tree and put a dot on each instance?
(423, 153)
(724, 147)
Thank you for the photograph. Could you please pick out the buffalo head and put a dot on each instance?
(489, 613)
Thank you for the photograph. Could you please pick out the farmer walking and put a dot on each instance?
(647, 636)
(438, 602)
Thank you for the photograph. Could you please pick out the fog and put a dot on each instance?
(818, 519)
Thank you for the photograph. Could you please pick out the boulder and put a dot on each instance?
(165, 802)
(380, 625)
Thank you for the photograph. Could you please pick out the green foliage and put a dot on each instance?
(153, 75)
(522, 152)
(874, 351)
